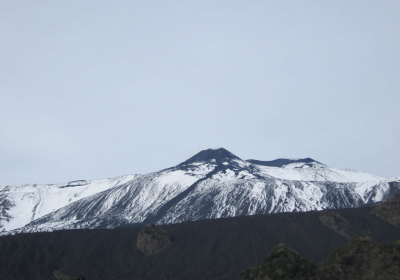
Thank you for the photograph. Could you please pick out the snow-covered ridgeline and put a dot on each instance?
(19, 205)
(216, 198)
(212, 184)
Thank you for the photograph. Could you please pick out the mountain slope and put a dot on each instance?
(358, 259)
(20, 205)
(206, 249)
(215, 184)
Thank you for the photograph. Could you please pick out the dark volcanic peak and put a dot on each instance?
(218, 156)
(280, 162)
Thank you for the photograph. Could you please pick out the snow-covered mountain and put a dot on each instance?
(19, 205)
(214, 184)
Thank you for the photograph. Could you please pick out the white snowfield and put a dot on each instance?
(212, 184)
(318, 172)
(20, 205)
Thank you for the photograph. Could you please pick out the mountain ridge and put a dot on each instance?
(218, 155)
(280, 162)
(203, 249)
(209, 185)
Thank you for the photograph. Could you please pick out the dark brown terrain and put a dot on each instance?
(282, 263)
(389, 210)
(152, 239)
(358, 259)
(206, 249)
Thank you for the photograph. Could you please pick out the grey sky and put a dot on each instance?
(97, 89)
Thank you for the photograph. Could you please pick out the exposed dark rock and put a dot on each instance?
(152, 239)
(75, 184)
(5, 205)
(61, 276)
(280, 162)
(389, 210)
(283, 263)
(219, 156)
(335, 222)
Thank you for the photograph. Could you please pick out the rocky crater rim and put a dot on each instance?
(281, 162)
(218, 156)
(223, 156)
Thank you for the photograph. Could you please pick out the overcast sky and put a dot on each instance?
(97, 89)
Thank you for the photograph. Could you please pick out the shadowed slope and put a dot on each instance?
(206, 249)
(282, 263)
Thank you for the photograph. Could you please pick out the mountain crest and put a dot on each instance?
(281, 162)
(217, 156)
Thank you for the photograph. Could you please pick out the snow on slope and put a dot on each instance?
(20, 205)
(317, 172)
(216, 199)
(134, 200)
(214, 184)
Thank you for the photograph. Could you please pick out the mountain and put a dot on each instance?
(390, 210)
(362, 259)
(215, 184)
(282, 263)
(20, 205)
(217, 249)
(282, 162)
(358, 259)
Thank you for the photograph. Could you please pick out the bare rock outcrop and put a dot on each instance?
(61, 276)
(389, 210)
(335, 222)
(152, 239)
(282, 263)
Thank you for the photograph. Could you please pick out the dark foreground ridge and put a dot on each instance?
(359, 259)
(389, 210)
(282, 263)
(200, 250)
